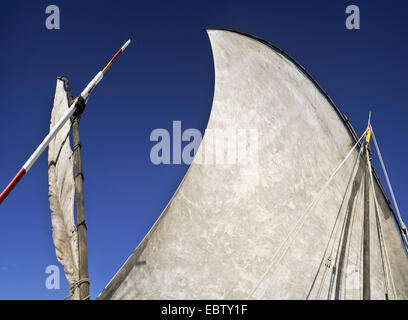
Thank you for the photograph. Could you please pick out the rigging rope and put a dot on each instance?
(328, 263)
(359, 252)
(386, 284)
(388, 182)
(384, 248)
(335, 229)
(353, 217)
(336, 263)
(299, 223)
(359, 255)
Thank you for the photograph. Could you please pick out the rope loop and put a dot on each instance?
(76, 285)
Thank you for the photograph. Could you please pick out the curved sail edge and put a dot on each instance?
(224, 233)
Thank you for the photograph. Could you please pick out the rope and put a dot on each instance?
(328, 261)
(336, 263)
(330, 257)
(76, 285)
(299, 223)
(381, 230)
(335, 230)
(359, 254)
(359, 251)
(386, 178)
(349, 239)
(386, 285)
(339, 262)
(386, 174)
(383, 264)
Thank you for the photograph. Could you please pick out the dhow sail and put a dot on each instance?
(62, 191)
(289, 223)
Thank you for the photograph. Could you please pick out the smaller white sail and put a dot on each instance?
(62, 192)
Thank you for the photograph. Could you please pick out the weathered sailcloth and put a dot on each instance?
(236, 231)
(62, 190)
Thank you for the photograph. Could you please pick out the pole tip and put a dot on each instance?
(125, 45)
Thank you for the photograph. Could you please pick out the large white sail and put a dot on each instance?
(62, 191)
(268, 231)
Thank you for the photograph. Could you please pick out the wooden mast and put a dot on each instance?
(366, 222)
(84, 282)
(366, 234)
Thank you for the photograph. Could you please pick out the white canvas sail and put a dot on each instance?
(238, 232)
(62, 190)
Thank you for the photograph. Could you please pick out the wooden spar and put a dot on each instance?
(44, 144)
(80, 213)
(366, 221)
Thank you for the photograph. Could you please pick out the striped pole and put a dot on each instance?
(44, 144)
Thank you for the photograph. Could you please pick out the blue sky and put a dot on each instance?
(166, 74)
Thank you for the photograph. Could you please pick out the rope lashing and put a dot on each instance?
(76, 285)
(80, 107)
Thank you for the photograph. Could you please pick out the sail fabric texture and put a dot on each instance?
(224, 234)
(62, 191)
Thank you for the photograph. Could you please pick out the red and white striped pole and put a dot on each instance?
(57, 127)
